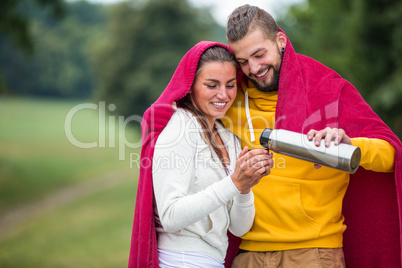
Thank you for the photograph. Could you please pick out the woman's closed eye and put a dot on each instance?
(212, 86)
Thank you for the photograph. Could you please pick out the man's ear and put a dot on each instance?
(281, 40)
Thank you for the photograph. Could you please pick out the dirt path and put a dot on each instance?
(60, 198)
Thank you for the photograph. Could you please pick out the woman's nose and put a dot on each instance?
(222, 94)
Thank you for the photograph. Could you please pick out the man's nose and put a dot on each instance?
(254, 67)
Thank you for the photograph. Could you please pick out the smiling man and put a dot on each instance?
(302, 211)
(260, 59)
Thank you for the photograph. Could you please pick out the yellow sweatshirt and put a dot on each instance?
(297, 206)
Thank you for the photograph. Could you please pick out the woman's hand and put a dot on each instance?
(251, 166)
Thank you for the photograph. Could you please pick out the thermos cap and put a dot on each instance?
(264, 137)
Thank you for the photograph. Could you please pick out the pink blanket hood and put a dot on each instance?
(143, 250)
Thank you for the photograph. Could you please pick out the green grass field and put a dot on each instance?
(62, 205)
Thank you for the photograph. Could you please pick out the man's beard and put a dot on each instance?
(272, 86)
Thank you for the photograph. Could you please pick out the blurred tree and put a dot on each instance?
(361, 40)
(14, 20)
(146, 42)
(60, 65)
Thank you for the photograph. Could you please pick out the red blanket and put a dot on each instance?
(312, 96)
(143, 251)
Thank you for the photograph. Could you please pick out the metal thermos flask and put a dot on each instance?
(343, 156)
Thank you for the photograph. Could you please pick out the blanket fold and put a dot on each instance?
(312, 96)
(143, 248)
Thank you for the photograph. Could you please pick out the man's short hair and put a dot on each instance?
(247, 18)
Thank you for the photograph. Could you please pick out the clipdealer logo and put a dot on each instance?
(104, 129)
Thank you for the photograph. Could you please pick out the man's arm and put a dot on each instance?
(377, 155)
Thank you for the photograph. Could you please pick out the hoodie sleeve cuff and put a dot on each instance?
(226, 189)
(244, 199)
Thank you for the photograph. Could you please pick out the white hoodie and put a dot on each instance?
(197, 201)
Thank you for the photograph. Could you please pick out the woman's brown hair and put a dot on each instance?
(212, 54)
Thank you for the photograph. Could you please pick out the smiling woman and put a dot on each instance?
(213, 92)
(199, 203)
(214, 89)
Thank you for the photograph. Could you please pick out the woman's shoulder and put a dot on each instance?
(181, 117)
(181, 125)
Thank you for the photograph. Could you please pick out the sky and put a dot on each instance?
(221, 9)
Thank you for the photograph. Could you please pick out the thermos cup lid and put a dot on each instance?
(264, 137)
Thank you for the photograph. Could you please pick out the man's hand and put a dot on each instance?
(337, 135)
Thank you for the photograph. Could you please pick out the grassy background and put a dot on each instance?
(39, 166)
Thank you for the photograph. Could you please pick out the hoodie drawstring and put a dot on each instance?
(250, 123)
(196, 160)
